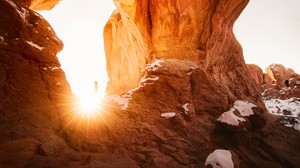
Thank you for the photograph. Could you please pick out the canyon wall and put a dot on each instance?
(33, 88)
(173, 118)
(200, 31)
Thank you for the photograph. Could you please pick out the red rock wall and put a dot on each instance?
(39, 126)
(33, 88)
(199, 31)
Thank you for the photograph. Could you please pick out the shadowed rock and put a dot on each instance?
(174, 66)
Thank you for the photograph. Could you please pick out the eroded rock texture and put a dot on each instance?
(32, 86)
(199, 31)
(285, 82)
(171, 119)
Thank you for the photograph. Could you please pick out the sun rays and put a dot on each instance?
(88, 105)
(87, 115)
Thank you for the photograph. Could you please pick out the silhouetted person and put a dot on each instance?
(96, 87)
(287, 83)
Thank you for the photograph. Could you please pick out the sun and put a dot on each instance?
(88, 106)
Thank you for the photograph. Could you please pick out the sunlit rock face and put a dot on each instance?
(277, 73)
(38, 4)
(199, 31)
(126, 53)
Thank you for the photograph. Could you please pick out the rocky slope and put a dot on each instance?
(178, 104)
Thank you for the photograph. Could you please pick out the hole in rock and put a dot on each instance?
(79, 24)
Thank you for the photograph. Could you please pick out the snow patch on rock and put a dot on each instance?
(121, 101)
(143, 82)
(35, 45)
(230, 118)
(244, 108)
(185, 108)
(220, 158)
(154, 66)
(289, 108)
(168, 115)
(54, 68)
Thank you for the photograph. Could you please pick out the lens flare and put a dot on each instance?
(89, 105)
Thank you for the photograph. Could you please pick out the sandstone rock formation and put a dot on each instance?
(285, 82)
(39, 126)
(278, 73)
(33, 88)
(281, 93)
(199, 31)
(267, 79)
(38, 4)
(256, 73)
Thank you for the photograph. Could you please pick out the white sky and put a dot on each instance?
(268, 30)
(79, 24)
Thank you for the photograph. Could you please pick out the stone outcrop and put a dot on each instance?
(278, 74)
(281, 82)
(199, 31)
(169, 118)
(33, 88)
(278, 82)
(256, 73)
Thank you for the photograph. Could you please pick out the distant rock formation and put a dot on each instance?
(281, 92)
(33, 89)
(278, 82)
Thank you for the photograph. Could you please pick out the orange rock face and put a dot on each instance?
(38, 4)
(277, 73)
(200, 31)
(32, 86)
(169, 120)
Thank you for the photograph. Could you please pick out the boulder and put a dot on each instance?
(33, 87)
(256, 73)
(277, 73)
(221, 158)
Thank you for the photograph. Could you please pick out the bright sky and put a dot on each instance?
(79, 24)
(269, 31)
